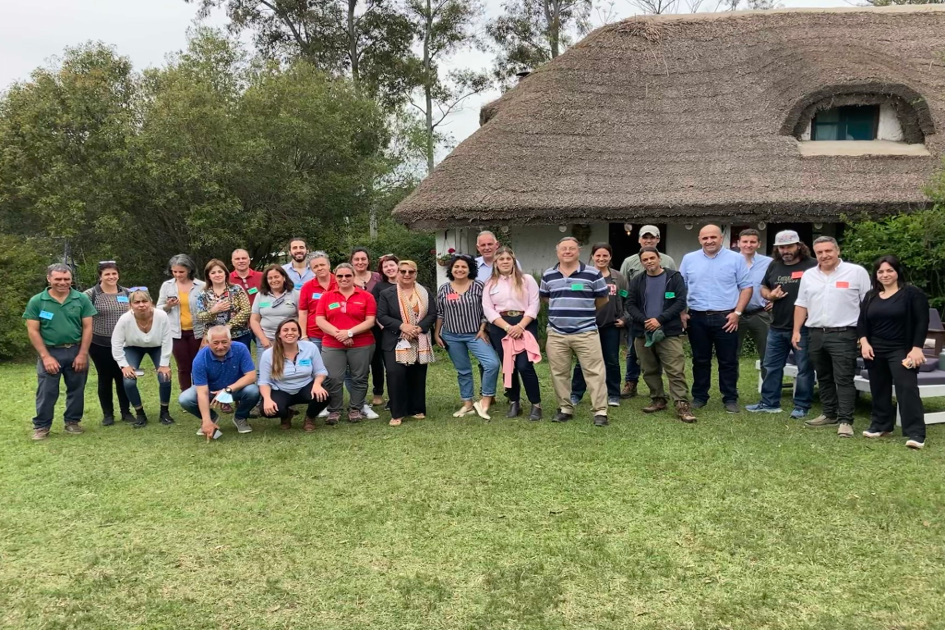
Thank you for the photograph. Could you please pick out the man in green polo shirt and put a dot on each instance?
(59, 323)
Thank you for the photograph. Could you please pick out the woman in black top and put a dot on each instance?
(894, 320)
(387, 268)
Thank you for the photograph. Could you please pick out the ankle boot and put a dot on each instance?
(658, 404)
(166, 415)
(141, 420)
(684, 412)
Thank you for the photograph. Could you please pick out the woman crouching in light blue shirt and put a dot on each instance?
(291, 372)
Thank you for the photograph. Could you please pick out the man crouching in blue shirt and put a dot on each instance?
(221, 367)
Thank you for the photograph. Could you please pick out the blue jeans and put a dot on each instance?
(245, 400)
(459, 345)
(633, 363)
(776, 355)
(705, 333)
(134, 356)
(610, 347)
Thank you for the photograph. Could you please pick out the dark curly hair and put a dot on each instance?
(470, 262)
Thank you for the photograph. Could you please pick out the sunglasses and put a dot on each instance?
(133, 289)
(407, 272)
(344, 275)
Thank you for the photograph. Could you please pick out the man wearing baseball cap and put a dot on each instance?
(649, 237)
(780, 286)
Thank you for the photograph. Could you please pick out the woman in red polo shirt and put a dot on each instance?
(311, 293)
(346, 317)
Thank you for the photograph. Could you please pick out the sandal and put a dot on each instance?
(465, 411)
(482, 413)
(419, 416)
(395, 422)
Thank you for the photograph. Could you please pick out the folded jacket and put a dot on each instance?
(510, 347)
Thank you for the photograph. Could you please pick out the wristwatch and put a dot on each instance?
(228, 390)
(739, 313)
(350, 334)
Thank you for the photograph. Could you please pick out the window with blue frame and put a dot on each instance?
(851, 122)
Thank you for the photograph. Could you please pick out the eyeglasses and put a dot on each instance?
(344, 275)
(407, 272)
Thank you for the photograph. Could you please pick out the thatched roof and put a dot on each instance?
(694, 116)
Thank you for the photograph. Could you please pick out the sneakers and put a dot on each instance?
(323, 413)
(562, 417)
(657, 404)
(600, 421)
(166, 417)
(535, 415)
(913, 444)
(684, 413)
(242, 425)
(699, 404)
(354, 415)
(309, 425)
(141, 419)
(845, 430)
(369, 413)
(629, 389)
(821, 421)
(613, 401)
(575, 400)
(74, 428)
(799, 413)
(762, 408)
(40, 434)
(332, 418)
(127, 416)
(732, 407)
(875, 434)
(108, 420)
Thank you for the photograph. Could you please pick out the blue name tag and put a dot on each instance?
(122, 299)
(45, 315)
(305, 363)
(298, 285)
(316, 296)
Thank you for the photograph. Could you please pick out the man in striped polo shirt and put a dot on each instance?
(574, 292)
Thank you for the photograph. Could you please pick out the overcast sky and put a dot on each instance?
(33, 32)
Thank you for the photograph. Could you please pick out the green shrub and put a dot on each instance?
(22, 267)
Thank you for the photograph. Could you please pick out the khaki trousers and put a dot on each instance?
(586, 346)
(666, 356)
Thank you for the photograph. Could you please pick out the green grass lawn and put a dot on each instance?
(735, 522)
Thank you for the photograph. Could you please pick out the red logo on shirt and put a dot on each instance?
(843, 285)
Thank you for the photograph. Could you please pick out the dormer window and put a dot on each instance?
(859, 119)
(852, 122)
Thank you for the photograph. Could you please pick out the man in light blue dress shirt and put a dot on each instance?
(719, 290)
(756, 319)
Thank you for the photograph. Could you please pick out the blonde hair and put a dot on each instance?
(409, 263)
(517, 278)
(141, 292)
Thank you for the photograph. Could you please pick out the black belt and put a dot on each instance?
(832, 330)
(753, 311)
(731, 310)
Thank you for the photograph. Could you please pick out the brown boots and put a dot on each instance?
(629, 389)
(684, 412)
(658, 404)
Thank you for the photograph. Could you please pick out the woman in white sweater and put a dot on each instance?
(142, 331)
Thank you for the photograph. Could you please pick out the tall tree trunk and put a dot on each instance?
(553, 21)
(428, 85)
(353, 43)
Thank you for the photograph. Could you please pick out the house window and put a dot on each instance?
(852, 122)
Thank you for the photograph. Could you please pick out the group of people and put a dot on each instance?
(320, 331)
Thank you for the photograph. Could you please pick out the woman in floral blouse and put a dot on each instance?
(224, 304)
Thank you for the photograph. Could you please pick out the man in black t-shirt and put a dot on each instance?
(780, 286)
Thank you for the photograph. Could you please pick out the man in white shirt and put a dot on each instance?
(486, 245)
(828, 302)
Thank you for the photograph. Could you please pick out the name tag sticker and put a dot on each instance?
(45, 315)
(669, 295)
(452, 296)
(265, 304)
(843, 285)
(624, 293)
(122, 299)
(493, 290)
(316, 296)
(305, 362)
(577, 286)
(334, 305)
(298, 285)
(253, 291)
(796, 275)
